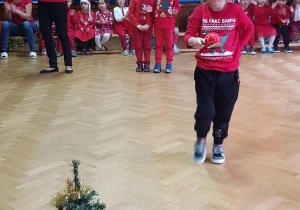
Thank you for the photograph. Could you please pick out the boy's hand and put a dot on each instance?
(196, 42)
(145, 27)
(284, 21)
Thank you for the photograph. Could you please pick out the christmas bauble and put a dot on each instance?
(212, 39)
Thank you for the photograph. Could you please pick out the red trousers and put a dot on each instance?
(161, 36)
(142, 43)
(122, 34)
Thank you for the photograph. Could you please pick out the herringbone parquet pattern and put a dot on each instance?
(134, 134)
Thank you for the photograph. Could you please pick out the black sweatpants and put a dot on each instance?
(285, 34)
(216, 93)
(89, 44)
(56, 12)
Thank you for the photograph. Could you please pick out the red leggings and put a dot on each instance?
(143, 43)
(162, 35)
(122, 34)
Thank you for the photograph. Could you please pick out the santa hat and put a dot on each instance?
(89, 3)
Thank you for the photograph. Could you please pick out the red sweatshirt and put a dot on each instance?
(162, 19)
(227, 23)
(72, 19)
(280, 13)
(137, 15)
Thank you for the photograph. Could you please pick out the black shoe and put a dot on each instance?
(69, 71)
(49, 71)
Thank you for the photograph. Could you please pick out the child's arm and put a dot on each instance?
(246, 27)
(73, 16)
(191, 38)
(131, 15)
(118, 16)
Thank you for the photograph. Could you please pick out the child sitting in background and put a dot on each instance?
(249, 12)
(85, 34)
(72, 21)
(262, 28)
(123, 26)
(103, 25)
(280, 17)
(58, 44)
(176, 33)
(295, 19)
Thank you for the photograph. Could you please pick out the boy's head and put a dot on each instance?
(69, 3)
(281, 3)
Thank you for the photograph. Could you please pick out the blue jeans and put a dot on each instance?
(10, 29)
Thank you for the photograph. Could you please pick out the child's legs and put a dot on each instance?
(132, 41)
(105, 38)
(80, 44)
(122, 35)
(71, 38)
(205, 101)
(147, 36)
(278, 30)
(90, 44)
(251, 40)
(226, 94)
(261, 42)
(285, 35)
(271, 41)
(168, 38)
(98, 41)
(159, 43)
(138, 46)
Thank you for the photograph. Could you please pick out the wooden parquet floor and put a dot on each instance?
(134, 134)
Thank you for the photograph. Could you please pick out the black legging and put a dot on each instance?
(56, 12)
(89, 44)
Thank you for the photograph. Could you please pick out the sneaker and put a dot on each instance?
(200, 151)
(263, 50)
(146, 68)
(270, 50)
(168, 68)
(125, 52)
(217, 154)
(103, 48)
(176, 49)
(244, 51)
(276, 49)
(139, 68)
(132, 52)
(157, 68)
(73, 53)
(288, 49)
(251, 51)
(4, 55)
(89, 51)
(32, 55)
(58, 54)
(43, 52)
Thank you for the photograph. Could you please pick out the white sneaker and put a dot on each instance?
(4, 55)
(32, 55)
(176, 50)
(125, 52)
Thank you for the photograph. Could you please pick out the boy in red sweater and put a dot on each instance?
(280, 16)
(227, 29)
(165, 12)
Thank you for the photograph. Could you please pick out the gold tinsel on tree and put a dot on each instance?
(76, 195)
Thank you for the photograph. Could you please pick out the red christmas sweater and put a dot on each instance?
(137, 14)
(249, 11)
(280, 13)
(72, 20)
(85, 26)
(234, 28)
(162, 18)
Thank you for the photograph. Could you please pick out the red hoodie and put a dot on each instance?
(280, 13)
(227, 23)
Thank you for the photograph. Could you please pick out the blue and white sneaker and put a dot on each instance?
(157, 68)
(217, 154)
(200, 151)
(169, 68)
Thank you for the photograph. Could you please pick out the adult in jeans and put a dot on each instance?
(56, 11)
(18, 22)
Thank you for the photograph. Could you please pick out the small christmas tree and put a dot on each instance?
(77, 196)
(165, 5)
